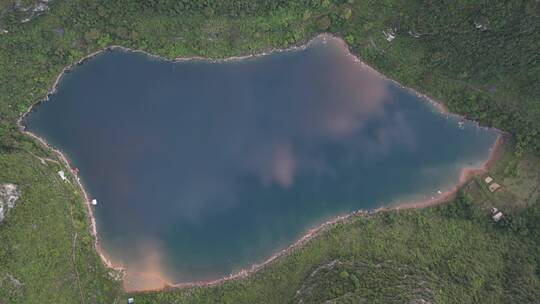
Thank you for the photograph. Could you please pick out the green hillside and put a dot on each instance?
(480, 59)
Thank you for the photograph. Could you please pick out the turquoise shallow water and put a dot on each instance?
(201, 169)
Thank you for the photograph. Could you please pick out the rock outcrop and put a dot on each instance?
(8, 197)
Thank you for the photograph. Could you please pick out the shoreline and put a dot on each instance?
(466, 172)
(90, 212)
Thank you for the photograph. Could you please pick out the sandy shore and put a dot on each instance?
(466, 173)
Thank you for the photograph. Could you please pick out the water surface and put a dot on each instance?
(201, 169)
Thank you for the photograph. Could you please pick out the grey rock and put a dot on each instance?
(8, 197)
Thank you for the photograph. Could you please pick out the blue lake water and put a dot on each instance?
(204, 168)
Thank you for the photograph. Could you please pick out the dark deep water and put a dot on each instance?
(201, 169)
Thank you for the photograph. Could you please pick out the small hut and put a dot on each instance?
(494, 187)
(497, 216)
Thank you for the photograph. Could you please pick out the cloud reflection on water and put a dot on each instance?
(201, 168)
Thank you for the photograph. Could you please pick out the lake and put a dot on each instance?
(203, 168)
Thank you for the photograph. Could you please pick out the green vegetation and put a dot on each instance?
(479, 59)
(46, 244)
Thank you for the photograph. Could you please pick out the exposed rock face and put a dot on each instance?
(8, 196)
(31, 10)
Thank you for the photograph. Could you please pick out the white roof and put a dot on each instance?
(497, 216)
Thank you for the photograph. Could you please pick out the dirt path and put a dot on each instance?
(73, 255)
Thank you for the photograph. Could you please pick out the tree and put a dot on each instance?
(324, 23)
(346, 12)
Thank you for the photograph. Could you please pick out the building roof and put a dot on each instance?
(494, 187)
(497, 217)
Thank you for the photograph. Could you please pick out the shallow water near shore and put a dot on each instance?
(203, 168)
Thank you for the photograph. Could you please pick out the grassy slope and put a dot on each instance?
(39, 236)
(453, 254)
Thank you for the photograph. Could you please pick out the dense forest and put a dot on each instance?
(480, 59)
